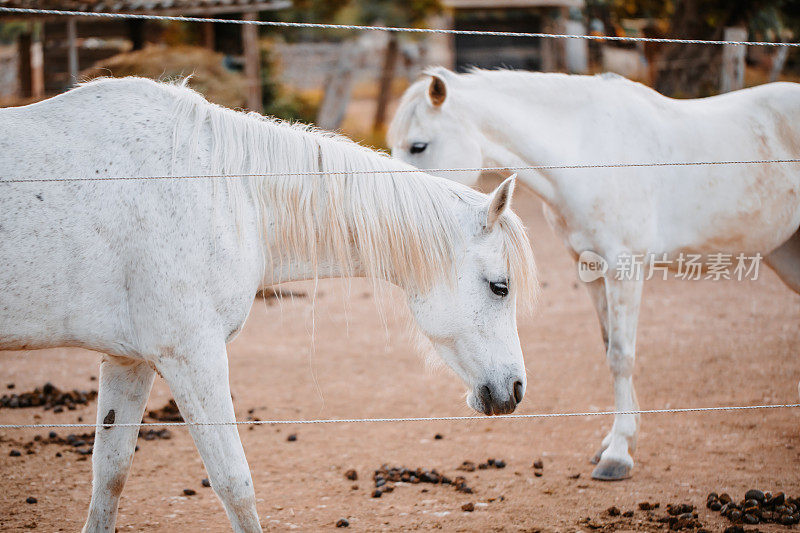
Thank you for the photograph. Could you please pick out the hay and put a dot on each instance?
(208, 73)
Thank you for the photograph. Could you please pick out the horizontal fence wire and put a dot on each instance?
(414, 170)
(140, 16)
(273, 23)
(411, 419)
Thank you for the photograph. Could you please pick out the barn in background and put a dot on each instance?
(551, 16)
(53, 50)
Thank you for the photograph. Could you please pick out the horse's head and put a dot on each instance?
(428, 133)
(471, 320)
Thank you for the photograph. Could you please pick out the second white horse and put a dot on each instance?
(506, 119)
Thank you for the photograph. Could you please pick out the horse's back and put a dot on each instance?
(737, 207)
(781, 102)
(733, 207)
(100, 128)
(79, 258)
(107, 129)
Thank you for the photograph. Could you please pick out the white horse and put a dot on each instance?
(160, 274)
(506, 118)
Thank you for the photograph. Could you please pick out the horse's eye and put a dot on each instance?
(417, 148)
(500, 288)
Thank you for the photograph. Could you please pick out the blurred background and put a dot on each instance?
(350, 80)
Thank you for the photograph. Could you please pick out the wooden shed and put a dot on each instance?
(551, 16)
(56, 47)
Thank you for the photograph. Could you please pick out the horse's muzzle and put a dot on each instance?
(502, 401)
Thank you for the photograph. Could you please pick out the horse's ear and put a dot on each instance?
(437, 91)
(499, 201)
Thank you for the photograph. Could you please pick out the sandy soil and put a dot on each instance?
(700, 344)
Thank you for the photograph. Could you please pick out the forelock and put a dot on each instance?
(519, 258)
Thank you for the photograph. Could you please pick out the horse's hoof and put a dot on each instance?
(611, 471)
(596, 457)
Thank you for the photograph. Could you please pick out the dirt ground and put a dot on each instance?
(699, 344)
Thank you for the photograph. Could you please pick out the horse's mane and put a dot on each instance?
(393, 226)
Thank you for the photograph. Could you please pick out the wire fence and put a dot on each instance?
(142, 16)
(279, 24)
(415, 170)
(411, 419)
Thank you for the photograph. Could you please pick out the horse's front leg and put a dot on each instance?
(124, 389)
(623, 297)
(198, 379)
(597, 291)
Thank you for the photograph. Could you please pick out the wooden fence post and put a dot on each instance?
(72, 51)
(778, 61)
(136, 33)
(252, 62)
(385, 85)
(339, 85)
(732, 75)
(24, 67)
(208, 35)
(37, 61)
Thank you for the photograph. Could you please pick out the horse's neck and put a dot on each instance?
(284, 264)
(524, 131)
(340, 226)
(287, 269)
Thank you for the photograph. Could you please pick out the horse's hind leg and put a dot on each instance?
(623, 297)
(785, 261)
(199, 383)
(124, 389)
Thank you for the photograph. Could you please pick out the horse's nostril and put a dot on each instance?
(486, 393)
(486, 396)
(518, 391)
